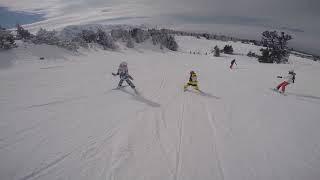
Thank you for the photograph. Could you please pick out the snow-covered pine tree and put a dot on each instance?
(89, 36)
(139, 35)
(163, 38)
(276, 47)
(51, 38)
(23, 33)
(6, 39)
(171, 43)
(130, 43)
(105, 40)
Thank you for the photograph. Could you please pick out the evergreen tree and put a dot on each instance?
(228, 49)
(276, 47)
(139, 35)
(89, 36)
(105, 40)
(171, 43)
(51, 38)
(6, 39)
(163, 38)
(23, 33)
(266, 56)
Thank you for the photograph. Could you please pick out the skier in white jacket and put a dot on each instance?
(288, 80)
(124, 75)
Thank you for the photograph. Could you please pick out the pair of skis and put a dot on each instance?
(122, 88)
(277, 91)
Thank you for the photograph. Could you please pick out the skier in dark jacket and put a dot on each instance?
(232, 63)
(124, 75)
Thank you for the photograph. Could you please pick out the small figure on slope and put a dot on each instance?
(124, 75)
(192, 81)
(288, 80)
(232, 63)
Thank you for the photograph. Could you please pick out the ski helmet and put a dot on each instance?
(124, 64)
(192, 72)
(291, 72)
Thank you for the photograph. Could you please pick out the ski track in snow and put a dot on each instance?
(158, 136)
(67, 100)
(38, 171)
(179, 150)
(214, 131)
(52, 67)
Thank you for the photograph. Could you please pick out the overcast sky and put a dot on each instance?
(296, 15)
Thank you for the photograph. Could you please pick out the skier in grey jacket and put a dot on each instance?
(124, 75)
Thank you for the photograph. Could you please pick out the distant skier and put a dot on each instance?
(288, 80)
(192, 81)
(232, 63)
(124, 75)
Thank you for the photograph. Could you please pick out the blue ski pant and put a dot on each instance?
(128, 81)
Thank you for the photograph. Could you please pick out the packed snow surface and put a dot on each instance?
(61, 119)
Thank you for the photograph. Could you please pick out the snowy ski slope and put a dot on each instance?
(60, 118)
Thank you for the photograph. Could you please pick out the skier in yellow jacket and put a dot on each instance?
(192, 81)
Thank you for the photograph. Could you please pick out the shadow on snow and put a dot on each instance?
(304, 96)
(138, 97)
(204, 94)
